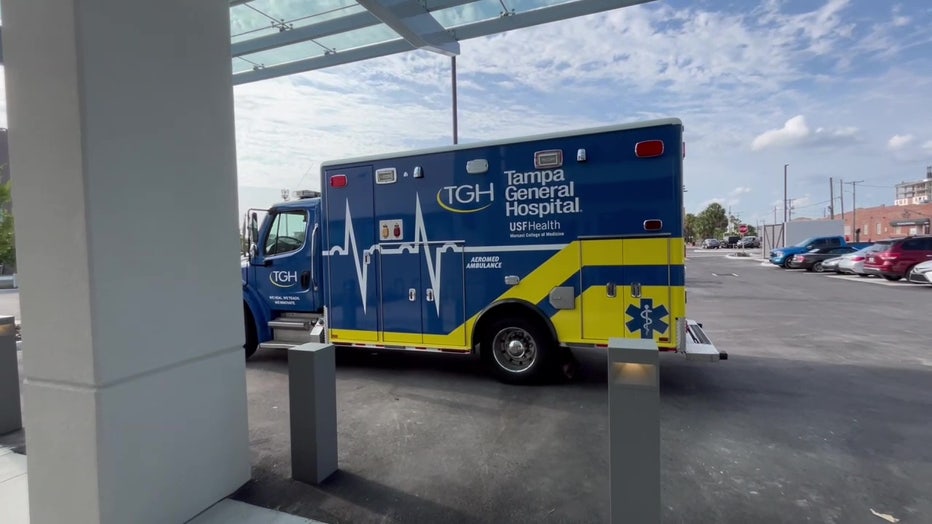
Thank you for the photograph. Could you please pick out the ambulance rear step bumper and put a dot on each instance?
(276, 344)
(699, 346)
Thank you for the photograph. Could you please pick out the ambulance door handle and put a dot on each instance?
(611, 289)
(412, 294)
(636, 289)
(430, 295)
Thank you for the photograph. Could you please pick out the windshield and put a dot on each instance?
(879, 246)
(804, 243)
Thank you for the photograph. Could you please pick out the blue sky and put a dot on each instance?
(834, 88)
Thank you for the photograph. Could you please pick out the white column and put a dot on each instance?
(122, 146)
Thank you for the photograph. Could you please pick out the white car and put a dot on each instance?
(853, 263)
(921, 273)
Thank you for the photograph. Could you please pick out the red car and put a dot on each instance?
(900, 256)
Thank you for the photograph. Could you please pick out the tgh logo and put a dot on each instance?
(283, 278)
(468, 198)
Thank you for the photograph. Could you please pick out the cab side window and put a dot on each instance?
(286, 233)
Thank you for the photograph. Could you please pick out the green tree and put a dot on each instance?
(7, 239)
(689, 228)
(712, 221)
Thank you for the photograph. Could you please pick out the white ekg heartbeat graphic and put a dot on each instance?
(420, 238)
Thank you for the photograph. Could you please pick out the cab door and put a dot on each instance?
(282, 265)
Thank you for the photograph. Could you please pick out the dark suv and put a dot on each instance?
(900, 256)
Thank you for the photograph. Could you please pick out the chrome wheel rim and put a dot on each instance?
(514, 349)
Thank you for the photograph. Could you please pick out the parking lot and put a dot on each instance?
(821, 414)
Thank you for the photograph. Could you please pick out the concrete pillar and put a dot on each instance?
(122, 148)
(312, 397)
(10, 411)
(634, 430)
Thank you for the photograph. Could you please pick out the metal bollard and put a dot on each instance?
(11, 416)
(634, 430)
(312, 393)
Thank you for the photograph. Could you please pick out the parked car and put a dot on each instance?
(711, 243)
(749, 243)
(782, 256)
(831, 265)
(730, 241)
(812, 260)
(898, 259)
(921, 273)
(853, 264)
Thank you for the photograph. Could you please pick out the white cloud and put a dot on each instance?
(796, 132)
(793, 132)
(898, 142)
(738, 191)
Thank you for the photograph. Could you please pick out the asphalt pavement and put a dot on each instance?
(821, 414)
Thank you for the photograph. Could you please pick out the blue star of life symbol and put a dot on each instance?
(647, 319)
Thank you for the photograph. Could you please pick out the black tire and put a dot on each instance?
(786, 263)
(863, 275)
(538, 356)
(892, 278)
(817, 267)
(252, 338)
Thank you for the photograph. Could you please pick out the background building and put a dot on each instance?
(882, 222)
(915, 192)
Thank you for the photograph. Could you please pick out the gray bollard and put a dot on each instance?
(312, 393)
(11, 416)
(634, 430)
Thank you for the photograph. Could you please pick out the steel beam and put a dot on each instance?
(414, 23)
(539, 16)
(334, 26)
(320, 62)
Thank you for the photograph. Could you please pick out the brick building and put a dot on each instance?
(882, 222)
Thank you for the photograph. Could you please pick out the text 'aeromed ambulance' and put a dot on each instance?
(518, 249)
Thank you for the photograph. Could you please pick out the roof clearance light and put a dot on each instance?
(653, 225)
(649, 148)
(338, 181)
(552, 158)
(306, 193)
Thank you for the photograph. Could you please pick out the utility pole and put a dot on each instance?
(854, 209)
(841, 191)
(831, 193)
(785, 201)
(456, 138)
(774, 214)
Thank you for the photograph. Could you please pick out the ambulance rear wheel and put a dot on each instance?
(519, 350)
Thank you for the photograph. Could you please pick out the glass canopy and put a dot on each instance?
(272, 38)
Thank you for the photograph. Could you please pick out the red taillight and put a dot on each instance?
(653, 225)
(648, 149)
(857, 259)
(889, 256)
(338, 181)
